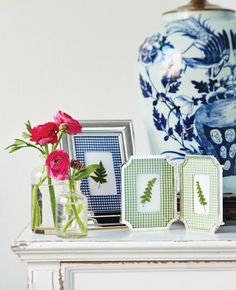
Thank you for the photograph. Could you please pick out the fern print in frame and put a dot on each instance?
(187, 80)
(201, 184)
(201, 193)
(100, 175)
(201, 196)
(147, 195)
(147, 176)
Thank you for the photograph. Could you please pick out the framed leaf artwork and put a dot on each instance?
(148, 192)
(201, 196)
(110, 142)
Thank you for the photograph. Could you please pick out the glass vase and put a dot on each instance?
(72, 212)
(43, 201)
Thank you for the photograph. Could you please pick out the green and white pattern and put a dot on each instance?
(199, 166)
(165, 173)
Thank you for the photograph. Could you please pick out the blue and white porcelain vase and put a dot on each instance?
(188, 83)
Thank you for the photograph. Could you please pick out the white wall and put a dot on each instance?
(75, 55)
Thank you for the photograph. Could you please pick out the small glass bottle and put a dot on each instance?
(72, 211)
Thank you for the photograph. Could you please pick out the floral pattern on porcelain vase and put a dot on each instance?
(188, 83)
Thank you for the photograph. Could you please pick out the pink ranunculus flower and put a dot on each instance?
(58, 164)
(72, 126)
(45, 133)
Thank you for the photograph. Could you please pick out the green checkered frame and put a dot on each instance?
(148, 165)
(204, 165)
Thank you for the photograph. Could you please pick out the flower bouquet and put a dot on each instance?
(57, 175)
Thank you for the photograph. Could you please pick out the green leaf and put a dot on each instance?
(19, 142)
(200, 194)
(28, 126)
(100, 174)
(26, 135)
(85, 173)
(10, 146)
(15, 148)
(147, 195)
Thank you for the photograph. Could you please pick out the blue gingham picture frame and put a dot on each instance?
(110, 142)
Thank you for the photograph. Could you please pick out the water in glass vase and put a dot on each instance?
(43, 201)
(72, 212)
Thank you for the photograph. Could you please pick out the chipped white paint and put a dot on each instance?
(57, 264)
(43, 276)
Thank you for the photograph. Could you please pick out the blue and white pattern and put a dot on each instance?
(101, 143)
(189, 76)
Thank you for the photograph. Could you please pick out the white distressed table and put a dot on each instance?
(120, 259)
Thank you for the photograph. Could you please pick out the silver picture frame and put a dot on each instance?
(114, 141)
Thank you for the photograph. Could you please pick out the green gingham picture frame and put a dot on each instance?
(201, 197)
(148, 193)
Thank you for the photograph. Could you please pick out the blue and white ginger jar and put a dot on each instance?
(188, 83)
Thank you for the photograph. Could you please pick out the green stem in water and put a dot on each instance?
(35, 208)
(76, 211)
(78, 220)
(52, 199)
(51, 192)
(35, 205)
(68, 224)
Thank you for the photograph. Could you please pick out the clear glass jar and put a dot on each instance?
(72, 211)
(43, 201)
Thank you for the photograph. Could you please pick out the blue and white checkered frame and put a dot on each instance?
(112, 136)
(101, 143)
